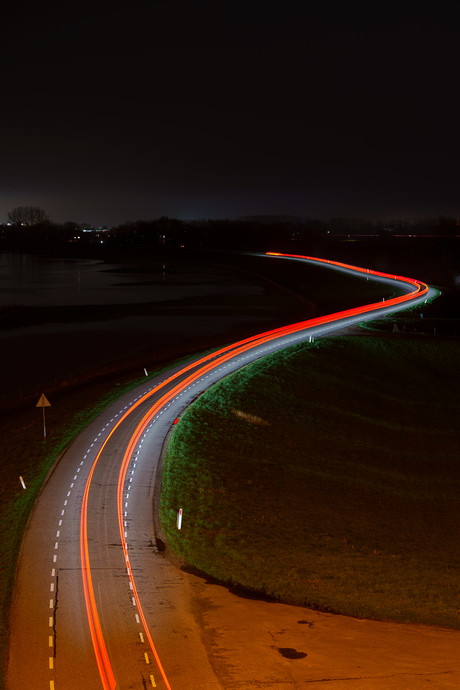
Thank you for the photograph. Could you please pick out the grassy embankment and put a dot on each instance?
(438, 317)
(327, 475)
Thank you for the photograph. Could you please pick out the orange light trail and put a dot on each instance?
(205, 365)
(100, 650)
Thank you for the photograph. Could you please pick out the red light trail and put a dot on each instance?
(201, 366)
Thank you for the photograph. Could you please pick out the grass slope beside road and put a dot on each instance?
(328, 475)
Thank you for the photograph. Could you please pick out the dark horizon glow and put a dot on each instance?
(222, 110)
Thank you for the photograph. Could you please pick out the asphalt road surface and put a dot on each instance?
(95, 604)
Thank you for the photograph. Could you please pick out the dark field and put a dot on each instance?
(328, 476)
(186, 302)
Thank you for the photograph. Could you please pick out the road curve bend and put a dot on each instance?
(95, 605)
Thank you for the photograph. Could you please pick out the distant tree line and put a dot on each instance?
(30, 228)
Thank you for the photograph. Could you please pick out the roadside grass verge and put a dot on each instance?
(327, 475)
(439, 316)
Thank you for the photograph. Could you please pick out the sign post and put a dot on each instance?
(43, 402)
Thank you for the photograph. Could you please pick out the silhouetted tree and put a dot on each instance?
(27, 215)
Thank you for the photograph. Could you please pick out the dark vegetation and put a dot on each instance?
(430, 245)
(327, 475)
(438, 317)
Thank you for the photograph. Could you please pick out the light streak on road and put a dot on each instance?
(192, 373)
(100, 650)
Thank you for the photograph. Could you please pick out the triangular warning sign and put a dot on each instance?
(43, 402)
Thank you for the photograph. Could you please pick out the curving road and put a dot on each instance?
(95, 605)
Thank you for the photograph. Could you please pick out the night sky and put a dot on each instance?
(223, 109)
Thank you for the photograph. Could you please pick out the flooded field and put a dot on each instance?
(80, 314)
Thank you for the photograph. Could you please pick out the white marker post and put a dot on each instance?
(43, 402)
(145, 370)
(179, 519)
(22, 482)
